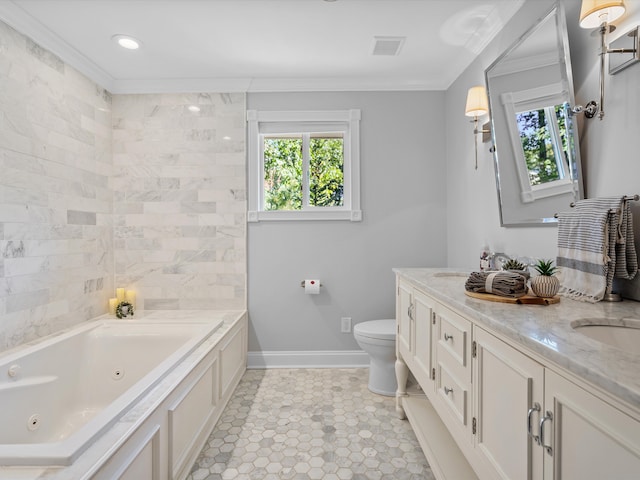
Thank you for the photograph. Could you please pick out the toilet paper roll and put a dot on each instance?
(312, 286)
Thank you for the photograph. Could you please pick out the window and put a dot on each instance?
(304, 165)
(543, 136)
(537, 121)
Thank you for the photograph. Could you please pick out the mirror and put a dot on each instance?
(536, 155)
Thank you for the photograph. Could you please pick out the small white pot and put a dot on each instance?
(545, 286)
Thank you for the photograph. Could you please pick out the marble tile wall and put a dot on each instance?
(179, 199)
(56, 242)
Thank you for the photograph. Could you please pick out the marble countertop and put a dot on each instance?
(546, 330)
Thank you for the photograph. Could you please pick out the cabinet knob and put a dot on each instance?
(447, 337)
(448, 390)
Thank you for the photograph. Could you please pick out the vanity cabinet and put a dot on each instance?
(415, 318)
(453, 368)
(492, 409)
(508, 399)
(587, 438)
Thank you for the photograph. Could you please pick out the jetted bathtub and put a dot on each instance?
(61, 393)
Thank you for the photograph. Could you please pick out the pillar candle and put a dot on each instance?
(130, 296)
(120, 294)
(113, 303)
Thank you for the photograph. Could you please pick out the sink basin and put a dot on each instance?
(450, 274)
(623, 334)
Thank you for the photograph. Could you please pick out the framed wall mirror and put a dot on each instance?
(536, 156)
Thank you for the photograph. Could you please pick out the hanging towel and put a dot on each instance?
(583, 242)
(595, 244)
(622, 248)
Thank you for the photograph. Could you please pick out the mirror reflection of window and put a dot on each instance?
(543, 134)
(528, 86)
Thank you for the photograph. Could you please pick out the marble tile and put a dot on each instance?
(168, 177)
(54, 142)
(310, 424)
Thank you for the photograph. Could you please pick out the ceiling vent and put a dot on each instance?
(387, 45)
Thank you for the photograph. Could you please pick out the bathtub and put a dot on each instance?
(59, 394)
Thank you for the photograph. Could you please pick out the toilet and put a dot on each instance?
(378, 339)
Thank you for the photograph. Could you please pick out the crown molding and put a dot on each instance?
(18, 19)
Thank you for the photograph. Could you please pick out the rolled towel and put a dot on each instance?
(505, 284)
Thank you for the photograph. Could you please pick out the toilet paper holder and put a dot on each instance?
(303, 283)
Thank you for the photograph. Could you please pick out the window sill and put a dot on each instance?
(349, 215)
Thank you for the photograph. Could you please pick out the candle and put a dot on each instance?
(113, 303)
(130, 296)
(120, 294)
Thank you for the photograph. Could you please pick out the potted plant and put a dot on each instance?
(515, 266)
(546, 284)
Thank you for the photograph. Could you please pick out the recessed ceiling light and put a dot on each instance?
(193, 108)
(126, 41)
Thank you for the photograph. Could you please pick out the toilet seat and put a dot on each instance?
(377, 329)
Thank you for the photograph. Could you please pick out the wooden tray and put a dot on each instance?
(524, 300)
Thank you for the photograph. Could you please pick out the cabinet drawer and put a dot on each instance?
(454, 336)
(453, 392)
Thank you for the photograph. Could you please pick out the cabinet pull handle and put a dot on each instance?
(447, 337)
(448, 390)
(548, 448)
(535, 408)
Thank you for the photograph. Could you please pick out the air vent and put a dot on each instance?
(387, 45)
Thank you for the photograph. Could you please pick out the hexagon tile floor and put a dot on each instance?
(310, 424)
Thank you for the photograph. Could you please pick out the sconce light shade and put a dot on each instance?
(477, 103)
(596, 12)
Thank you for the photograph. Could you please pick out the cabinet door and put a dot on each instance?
(592, 440)
(404, 318)
(508, 385)
(423, 308)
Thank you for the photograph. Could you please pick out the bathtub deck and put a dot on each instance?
(93, 457)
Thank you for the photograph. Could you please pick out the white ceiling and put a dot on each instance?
(263, 45)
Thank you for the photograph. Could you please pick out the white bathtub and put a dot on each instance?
(59, 395)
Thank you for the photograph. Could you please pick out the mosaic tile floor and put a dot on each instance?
(310, 424)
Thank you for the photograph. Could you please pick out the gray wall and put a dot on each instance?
(404, 224)
(609, 147)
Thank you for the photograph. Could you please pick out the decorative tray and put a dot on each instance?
(524, 300)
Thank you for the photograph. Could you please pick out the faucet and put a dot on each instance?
(497, 259)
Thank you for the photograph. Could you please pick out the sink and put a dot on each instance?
(623, 334)
(450, 274)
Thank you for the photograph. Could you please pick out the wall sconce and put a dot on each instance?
(598, 14)
(477, 105)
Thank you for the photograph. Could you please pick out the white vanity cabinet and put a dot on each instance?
(414, 313)
(494, 409)
(508, 402)
(588, 438)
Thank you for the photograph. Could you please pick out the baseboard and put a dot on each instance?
(310, 359)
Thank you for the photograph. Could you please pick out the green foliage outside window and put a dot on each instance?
(283, 169)
(538, 145)
(282, 173)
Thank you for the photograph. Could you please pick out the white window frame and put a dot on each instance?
(261, 122)
(527, 100)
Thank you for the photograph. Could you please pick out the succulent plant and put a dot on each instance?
(545, 267)
(513, 264)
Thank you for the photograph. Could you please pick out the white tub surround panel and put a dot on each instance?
(179, 199)
(163, 431)
(56, 262)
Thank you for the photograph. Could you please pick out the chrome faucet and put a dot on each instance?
(497, 259)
